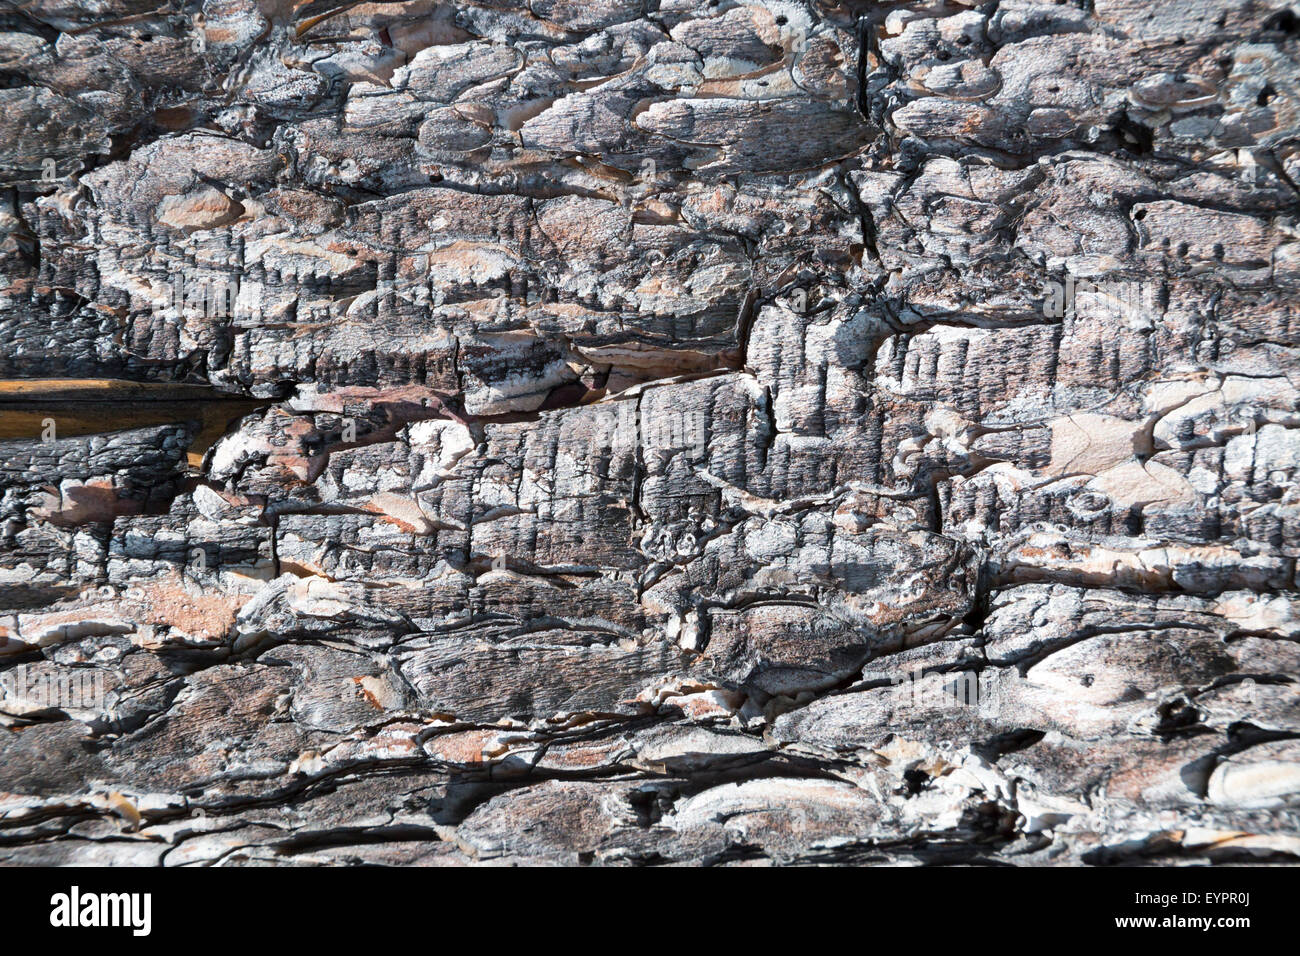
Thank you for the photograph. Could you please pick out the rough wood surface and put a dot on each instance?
(649, 431)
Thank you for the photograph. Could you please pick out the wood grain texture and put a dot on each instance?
(645, 431)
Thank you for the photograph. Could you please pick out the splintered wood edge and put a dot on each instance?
(97, 406)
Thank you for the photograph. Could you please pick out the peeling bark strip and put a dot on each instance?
(621, 432)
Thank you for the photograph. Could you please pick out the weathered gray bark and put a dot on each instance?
(617, 431)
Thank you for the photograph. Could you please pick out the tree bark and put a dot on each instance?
(649, 432)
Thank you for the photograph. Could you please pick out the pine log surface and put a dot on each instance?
(649, 432)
